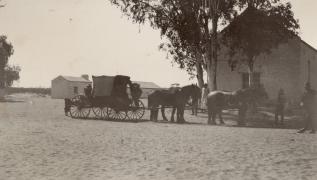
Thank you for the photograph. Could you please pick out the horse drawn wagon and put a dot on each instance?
(112, 97)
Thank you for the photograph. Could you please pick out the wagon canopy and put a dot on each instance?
(110, 86)
(102, 85)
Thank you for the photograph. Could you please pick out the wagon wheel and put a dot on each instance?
(101, 112)
(136, 110)
(116, 114)
(80, 107)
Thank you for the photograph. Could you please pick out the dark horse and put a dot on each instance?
(176, 98)
(219, 100)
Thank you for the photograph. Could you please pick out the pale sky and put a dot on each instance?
(74, 37)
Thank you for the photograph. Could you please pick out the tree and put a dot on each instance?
(8, 73)
(12, 73)
(186, 24)
(261, 27)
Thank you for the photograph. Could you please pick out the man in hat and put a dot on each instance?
(88, 91)
(309, 104)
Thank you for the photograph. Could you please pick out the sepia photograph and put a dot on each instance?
(158, 90)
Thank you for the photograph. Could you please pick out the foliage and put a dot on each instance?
(185, 24)
(6, 50)
(12, 73)
(191, 28)
(258, 29)
(8, 74)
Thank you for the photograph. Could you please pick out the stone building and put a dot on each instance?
(289, 66)
(68, 86)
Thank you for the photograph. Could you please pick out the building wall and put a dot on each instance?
(279, 69)
(70, 88)
(308, 54)
(62, 88)
(59, 88)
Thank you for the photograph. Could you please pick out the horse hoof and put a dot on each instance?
(212, 123)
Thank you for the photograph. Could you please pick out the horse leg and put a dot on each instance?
(211, 117)
(180, 115)
(220, 117)
(151, 114)
(163, 113)
(172, 115)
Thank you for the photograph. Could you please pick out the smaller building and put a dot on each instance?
(147, 88)
(68, 86)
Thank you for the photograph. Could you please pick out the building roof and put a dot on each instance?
(308, 45)
(147, 85)
(75, 79)
(245, 16)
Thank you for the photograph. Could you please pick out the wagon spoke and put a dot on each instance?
(136, 112)
(116, 114)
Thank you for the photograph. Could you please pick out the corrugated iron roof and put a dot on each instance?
(147, 85)
(75, 79)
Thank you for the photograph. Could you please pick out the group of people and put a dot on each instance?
(309, 104)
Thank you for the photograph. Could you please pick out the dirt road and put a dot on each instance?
(38, 142)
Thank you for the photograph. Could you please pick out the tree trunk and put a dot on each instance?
(210, 73)
(199, 70)
(251, 71)
(3, 62)
(200, 75)
(2, 80)
(214, 53)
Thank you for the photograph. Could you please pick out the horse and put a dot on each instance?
(177, 98)
(219, 100)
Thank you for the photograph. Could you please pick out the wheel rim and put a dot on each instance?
(116, 114)
(136, 112)
(78, 112)
(80, 107)
(100, 112)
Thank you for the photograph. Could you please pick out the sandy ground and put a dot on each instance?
(38, 142)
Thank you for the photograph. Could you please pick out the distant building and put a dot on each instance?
(68, 86)
(147, 88)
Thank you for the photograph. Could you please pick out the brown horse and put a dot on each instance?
(219, 100)
(176, 98)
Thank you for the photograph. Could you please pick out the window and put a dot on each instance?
(256, 79)
(75, 90)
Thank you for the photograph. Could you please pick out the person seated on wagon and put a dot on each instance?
(88, 91)
(136, 93)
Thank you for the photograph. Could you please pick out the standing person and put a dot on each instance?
(309, 105)
(204, 94)
(196, 102)
(280, 106)
(243, 107)
(67, 106)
